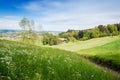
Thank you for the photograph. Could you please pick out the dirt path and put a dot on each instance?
(105, 68)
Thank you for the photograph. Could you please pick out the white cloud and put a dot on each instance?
(73, 14)
(32, 6)
(9, 22)
(83, 21)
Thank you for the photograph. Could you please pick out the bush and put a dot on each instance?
(50, 39)
(71, 39)
(112, 29)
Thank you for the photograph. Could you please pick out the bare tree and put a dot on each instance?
(28, 34)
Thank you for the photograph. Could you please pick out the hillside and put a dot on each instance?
(111, 47)
(26, 62)
(79, 45)
(107, 55)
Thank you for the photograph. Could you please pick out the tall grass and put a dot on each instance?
(27, 62)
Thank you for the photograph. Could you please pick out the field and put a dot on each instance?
(108, 54)
(26, 62)
(80, 45)
(104, 51)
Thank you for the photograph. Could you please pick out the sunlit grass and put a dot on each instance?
(108, 54)
(76, 46)
(26, 62)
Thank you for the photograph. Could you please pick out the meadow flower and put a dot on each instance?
(8, 78)
(92, 75)
(65, 61)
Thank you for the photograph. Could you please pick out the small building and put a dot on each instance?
(63, 39)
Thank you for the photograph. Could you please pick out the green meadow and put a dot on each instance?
(28, 62)
(80, 45)
(104, 51)
(59, 40)
(107, 54)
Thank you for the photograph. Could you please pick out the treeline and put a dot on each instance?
(99, 31)
(74, 35)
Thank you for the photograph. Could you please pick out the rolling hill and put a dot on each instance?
(107, 54)
(80, 45)
(26, 62)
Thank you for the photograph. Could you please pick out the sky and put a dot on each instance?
(59, 15)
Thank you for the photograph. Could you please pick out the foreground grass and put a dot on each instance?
(108, 54)
(76, 46)
(26, 62)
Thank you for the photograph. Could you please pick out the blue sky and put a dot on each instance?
(59, 15)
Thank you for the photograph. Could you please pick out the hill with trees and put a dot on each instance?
(99, 31)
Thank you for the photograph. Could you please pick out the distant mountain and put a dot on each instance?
(14, 31)
(8, 31)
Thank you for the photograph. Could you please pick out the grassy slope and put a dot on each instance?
(106, 49)
(26, 62)
(102, 50)
(108, 54)
(76, 46)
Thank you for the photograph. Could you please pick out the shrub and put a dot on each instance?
(50, 39)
